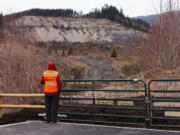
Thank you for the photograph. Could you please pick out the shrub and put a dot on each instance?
(63, 52)
(127, 58)
(49, 50)
(130, 69)
(41, 44)
(76, 72)
(114, 54)
(70, 51)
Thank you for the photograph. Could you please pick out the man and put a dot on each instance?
(52, 81)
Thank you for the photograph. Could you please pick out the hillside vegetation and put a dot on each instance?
(106, 12)
(113, 14)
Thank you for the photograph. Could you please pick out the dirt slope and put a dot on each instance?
(45, 29)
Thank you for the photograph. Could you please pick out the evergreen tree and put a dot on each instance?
(113, 14)
(70, 51)
(114, 53)
(63, 53)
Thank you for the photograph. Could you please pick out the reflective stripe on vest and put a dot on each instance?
(50, 73)
(51, 83)
(50, 77)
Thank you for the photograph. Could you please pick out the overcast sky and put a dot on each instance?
(131, 8)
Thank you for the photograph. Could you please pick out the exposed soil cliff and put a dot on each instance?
(47, 29)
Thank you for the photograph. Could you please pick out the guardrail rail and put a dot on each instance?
(164, 96)
(104, 101)
(19, 106)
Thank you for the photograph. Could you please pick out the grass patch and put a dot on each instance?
(127, 59)
(131, 69)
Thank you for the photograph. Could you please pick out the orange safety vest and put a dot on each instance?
(50, 78)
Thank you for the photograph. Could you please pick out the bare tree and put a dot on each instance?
(162, 49)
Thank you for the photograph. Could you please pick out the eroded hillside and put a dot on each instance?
(60, 29)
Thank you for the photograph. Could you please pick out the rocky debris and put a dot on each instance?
(86, 67)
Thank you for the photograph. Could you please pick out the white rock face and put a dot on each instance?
(45, 29)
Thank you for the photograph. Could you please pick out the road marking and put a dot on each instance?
(14, 124)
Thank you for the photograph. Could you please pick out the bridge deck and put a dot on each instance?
(42, 128)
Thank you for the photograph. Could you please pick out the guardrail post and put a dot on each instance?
(93, 93)
(149, 105)
(148, 110)
(1, 113)
(147, 101)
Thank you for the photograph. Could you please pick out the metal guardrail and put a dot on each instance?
(113, 99)
(165, 100)
(19, 106)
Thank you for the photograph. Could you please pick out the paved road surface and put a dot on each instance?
(42, 128)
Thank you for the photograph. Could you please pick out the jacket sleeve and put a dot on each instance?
(42, 80)
(59, 83)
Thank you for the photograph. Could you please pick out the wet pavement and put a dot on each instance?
(42, 128)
